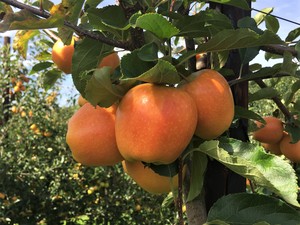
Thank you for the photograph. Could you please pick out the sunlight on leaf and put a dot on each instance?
(254, 163)
(100, 90)
(157, 24)
(250, 209)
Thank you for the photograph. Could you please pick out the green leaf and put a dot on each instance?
(248, 22)
(204, 24)
(162, 73)
(247, 54)
(272, 23)
(169, 170)
(288, 97)
(297, 48)
(70, 9)
(40, 66)
(234, 39)
(240, 38)
(241, 112)
(249, 209)
(259, 17)
(237, 3)
(104, 15)
(148, 52)
(262, 73)
(50, 78)
(157, 24)
(255, 67)
(96, 23)
(133, 66)
(219, 59)
(293, 35)
(264, 93)
(101, 91)
(252, 162)
(293, 128)
(87, 55)
(199, 163)
(289, 66)
(296, 105)
(92, 4)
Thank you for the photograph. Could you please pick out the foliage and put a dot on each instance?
(40, 183)
(264, 210)
(152, 35)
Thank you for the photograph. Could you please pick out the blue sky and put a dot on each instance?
(283, 8)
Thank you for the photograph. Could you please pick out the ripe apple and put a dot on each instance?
(214, 101)
(155, 123)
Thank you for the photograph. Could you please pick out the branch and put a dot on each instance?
(277, 101)
(250, 78)
(79, 30)
(279, 49)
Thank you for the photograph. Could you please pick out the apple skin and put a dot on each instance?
(271, 132)
(62, 55)
(214, 101)
(155, 123)
(112, 60)
(147, 179)
(272, 148)
(91, 136)
(289, 150)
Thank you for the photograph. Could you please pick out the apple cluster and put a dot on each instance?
(151, 124)
(275, 140)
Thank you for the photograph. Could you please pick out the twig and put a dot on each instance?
(251, 78)
(277, 101)
(51, 34)
(77, 29)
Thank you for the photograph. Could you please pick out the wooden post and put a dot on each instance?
(6, 90)
(219, 180)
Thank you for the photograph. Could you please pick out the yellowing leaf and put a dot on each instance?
(21, 40)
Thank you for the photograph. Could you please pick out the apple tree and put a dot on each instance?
(164, 42)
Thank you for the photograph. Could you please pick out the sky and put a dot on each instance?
(283, 8)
